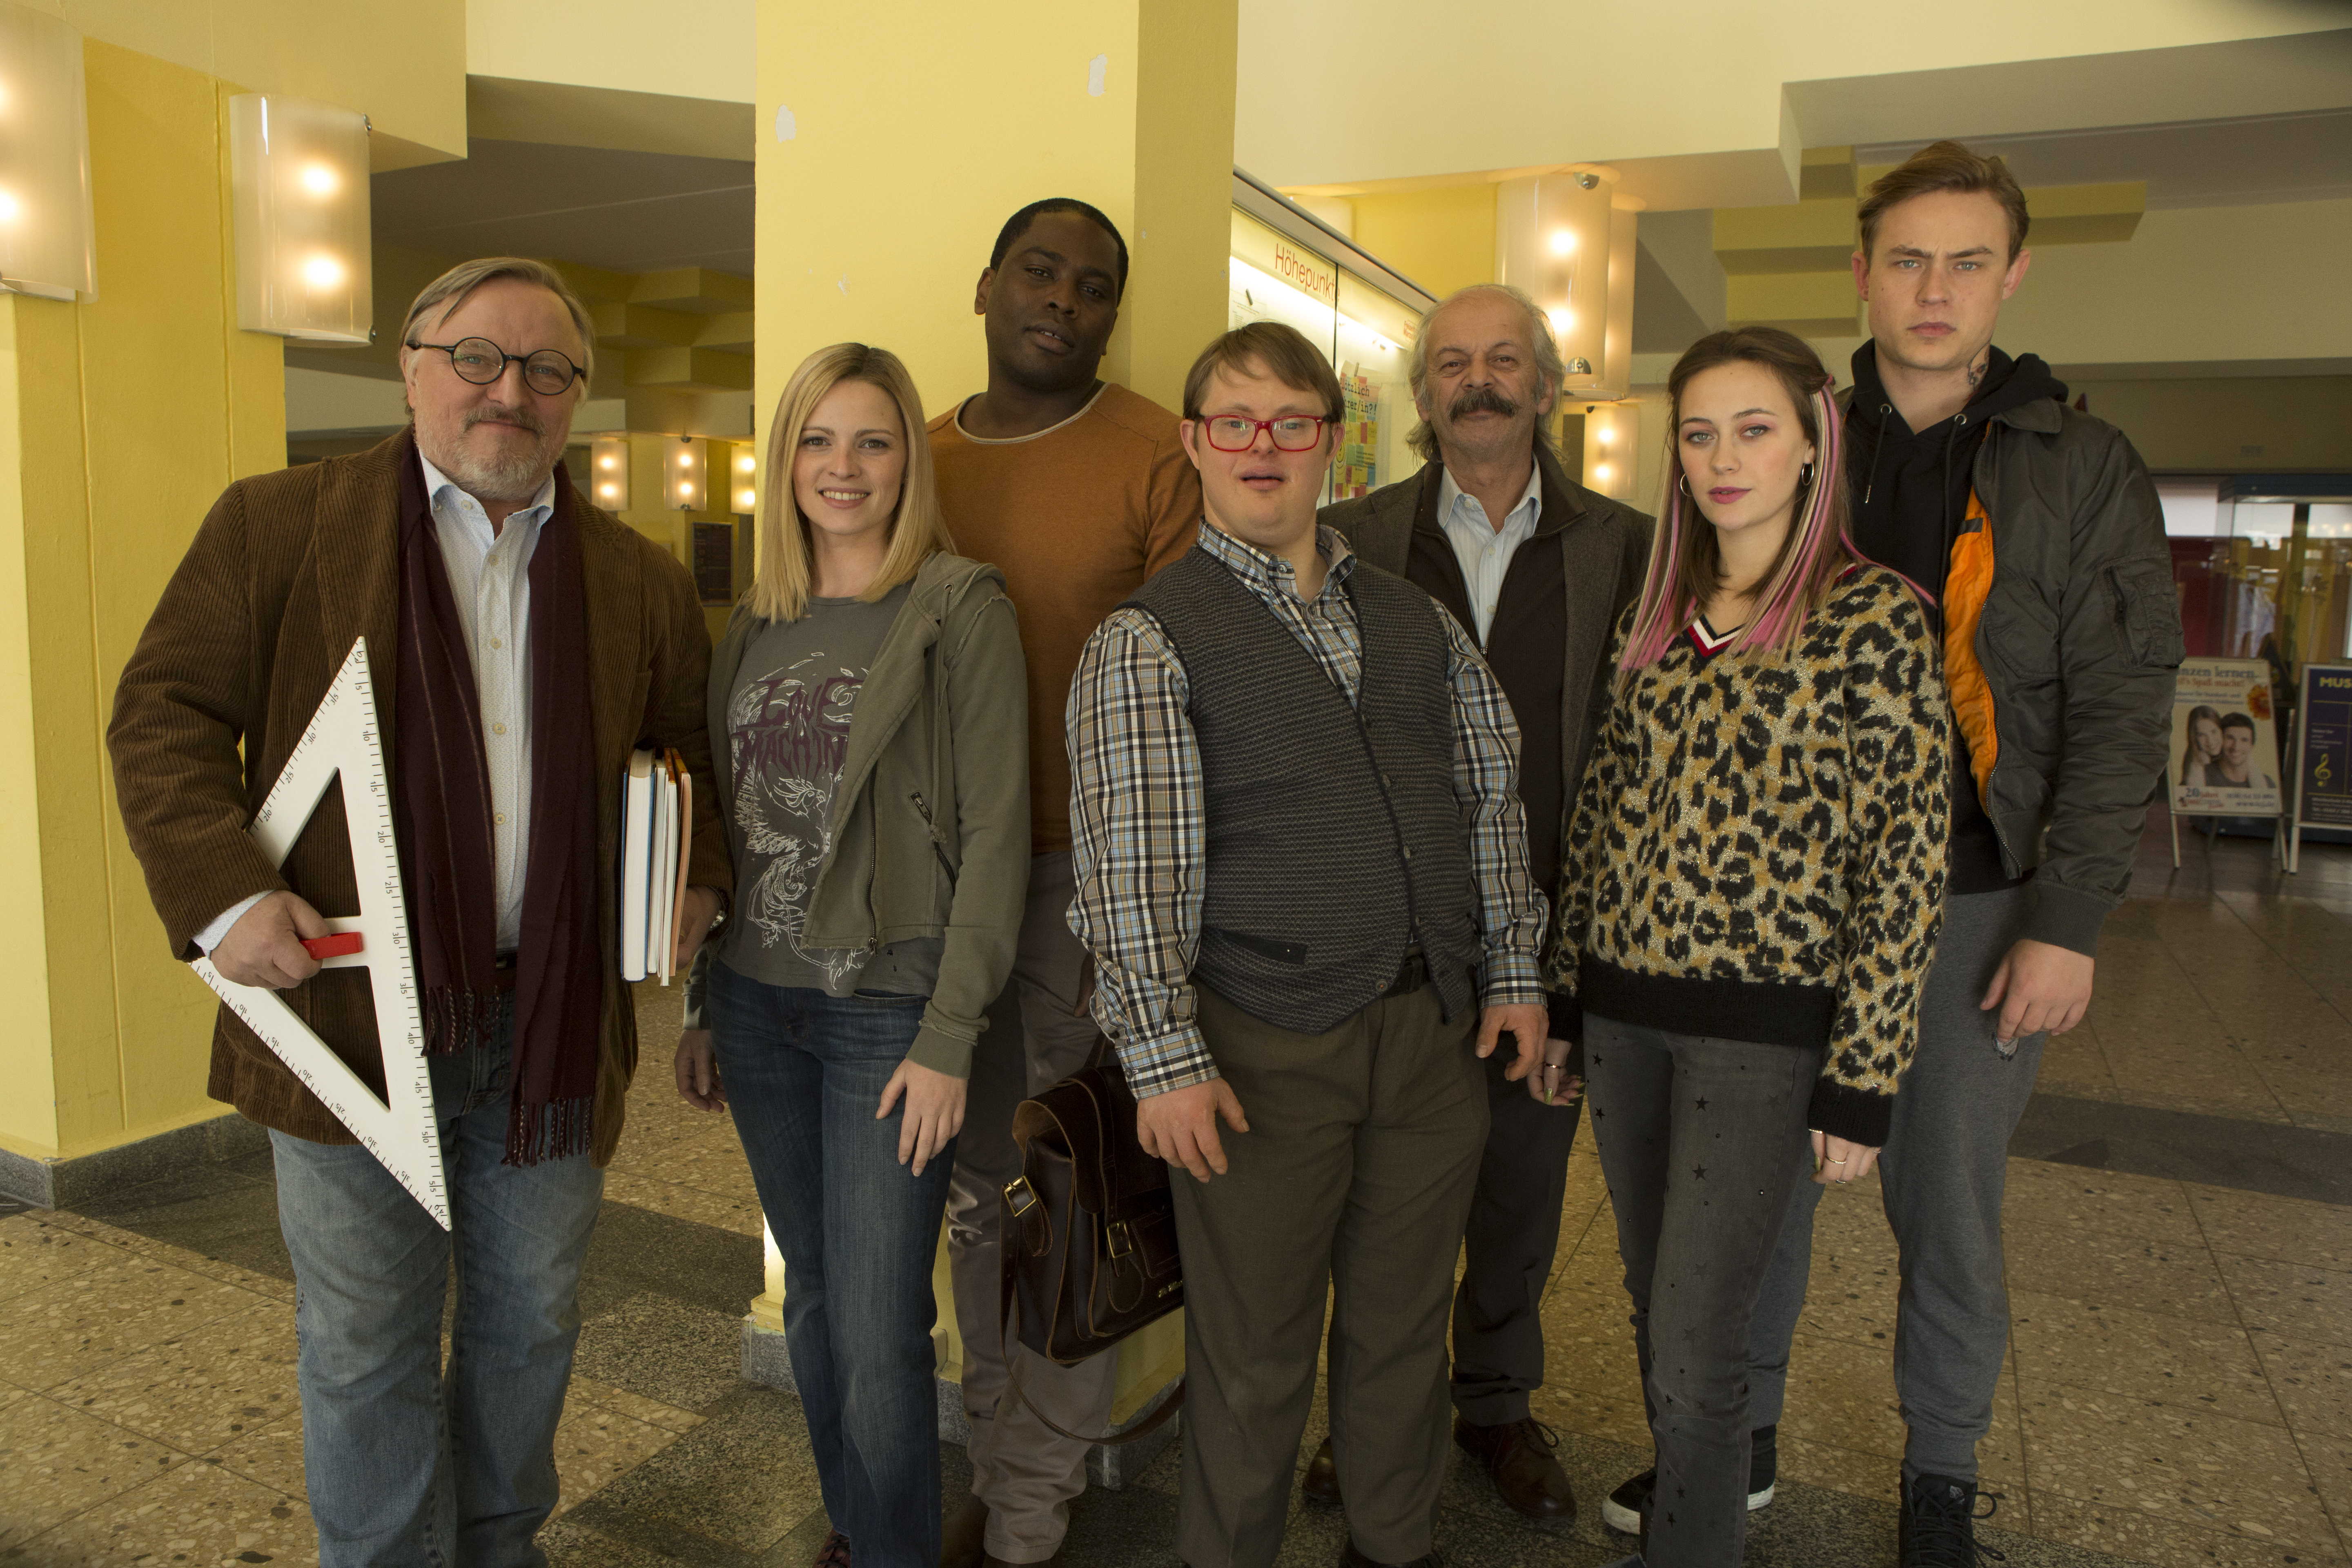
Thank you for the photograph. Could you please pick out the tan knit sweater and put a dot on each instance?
(1077, 517)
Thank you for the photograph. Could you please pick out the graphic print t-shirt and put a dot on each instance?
(788, 736)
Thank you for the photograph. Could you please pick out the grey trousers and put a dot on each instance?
(1353, 1181)
(1941, 1176)
(1038, 1034)
(1508, 1252)
(1695, 1137)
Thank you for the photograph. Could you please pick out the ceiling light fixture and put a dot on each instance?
(299, 181)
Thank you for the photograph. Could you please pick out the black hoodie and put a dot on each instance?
(1910, 492)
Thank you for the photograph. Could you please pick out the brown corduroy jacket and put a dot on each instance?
(286, 572)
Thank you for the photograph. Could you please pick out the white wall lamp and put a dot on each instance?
(608, 472)
(46, 233)
(747, 481)
(684, 476)
(1610, 432)
(298, 171)
(1551, 240)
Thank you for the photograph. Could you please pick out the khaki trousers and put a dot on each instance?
(1038, 1034)
(1355, 1176)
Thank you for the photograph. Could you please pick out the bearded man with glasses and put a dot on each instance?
(521, 643)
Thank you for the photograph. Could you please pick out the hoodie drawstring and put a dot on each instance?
(1878, 442)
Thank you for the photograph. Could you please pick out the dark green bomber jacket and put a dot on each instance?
(931, 835)
(2079, 641)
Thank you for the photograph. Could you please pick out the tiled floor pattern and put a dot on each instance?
(2180, 1390)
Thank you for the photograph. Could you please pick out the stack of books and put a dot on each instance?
(657, 831)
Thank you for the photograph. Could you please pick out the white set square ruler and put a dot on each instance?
(343, 740)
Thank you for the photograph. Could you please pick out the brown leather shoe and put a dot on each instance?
(1526, 1476)
(1322, 1482)
(963, 1538)
(833, 1553)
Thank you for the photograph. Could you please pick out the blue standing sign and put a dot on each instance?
(2322, 753)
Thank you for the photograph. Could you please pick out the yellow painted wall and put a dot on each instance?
(2298, 424)
(1442, 239)
(985, 119)
(2252, 282)
(1183, 191)
(37, 335)
(403, 66)
(125, 417)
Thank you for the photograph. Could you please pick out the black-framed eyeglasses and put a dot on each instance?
(546, 371)
(1291, 433)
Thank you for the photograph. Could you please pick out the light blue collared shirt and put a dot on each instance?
(489, 579)
(1483, 550)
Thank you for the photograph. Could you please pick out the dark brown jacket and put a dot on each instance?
(1599, 547)
(286, 572)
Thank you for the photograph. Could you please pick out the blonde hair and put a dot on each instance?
(457, 285)
(780, 588)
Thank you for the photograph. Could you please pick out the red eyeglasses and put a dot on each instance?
(1291, 433)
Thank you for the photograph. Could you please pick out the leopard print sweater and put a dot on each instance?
(1758, 847)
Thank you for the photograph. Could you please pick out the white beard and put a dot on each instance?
(513, 478)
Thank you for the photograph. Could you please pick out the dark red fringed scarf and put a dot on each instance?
(441, 799)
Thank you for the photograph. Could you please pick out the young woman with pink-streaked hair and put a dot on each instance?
(1761, 842)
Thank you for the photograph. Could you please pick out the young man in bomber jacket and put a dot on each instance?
(2038, 533)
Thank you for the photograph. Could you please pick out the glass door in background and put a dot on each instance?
(1287, 266)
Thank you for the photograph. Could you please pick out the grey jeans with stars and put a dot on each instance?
(1698, 1139)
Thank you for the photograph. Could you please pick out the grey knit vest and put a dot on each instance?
(1335, 843)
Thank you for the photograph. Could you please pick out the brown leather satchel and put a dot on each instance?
(1088, 1231)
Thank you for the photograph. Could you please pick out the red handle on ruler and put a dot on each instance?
(343, 945)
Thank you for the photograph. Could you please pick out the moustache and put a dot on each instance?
(522, 418)
(1481, 400)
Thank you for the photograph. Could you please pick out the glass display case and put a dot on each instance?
(1288, 266)
(2262, 566)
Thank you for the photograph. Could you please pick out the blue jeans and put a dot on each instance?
(803, 1072)
(407, 1464)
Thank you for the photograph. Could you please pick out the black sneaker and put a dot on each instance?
(1938, 1528)
(1622, 1510)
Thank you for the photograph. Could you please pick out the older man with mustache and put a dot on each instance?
(521, 642)
(1537, 570)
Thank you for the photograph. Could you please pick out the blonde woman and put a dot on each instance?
(869, 726)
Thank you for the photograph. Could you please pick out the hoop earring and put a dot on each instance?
(1681, 482)
(1805, 477)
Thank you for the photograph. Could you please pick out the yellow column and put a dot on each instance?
(120, 419)
(881, 192)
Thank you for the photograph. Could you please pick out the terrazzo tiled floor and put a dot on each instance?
(2179, 1387)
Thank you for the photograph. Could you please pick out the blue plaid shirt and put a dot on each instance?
(1140, 830)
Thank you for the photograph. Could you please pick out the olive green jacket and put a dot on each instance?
(931, 816)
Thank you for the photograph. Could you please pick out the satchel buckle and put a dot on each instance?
(1117, 1241)
(1020, 1197)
